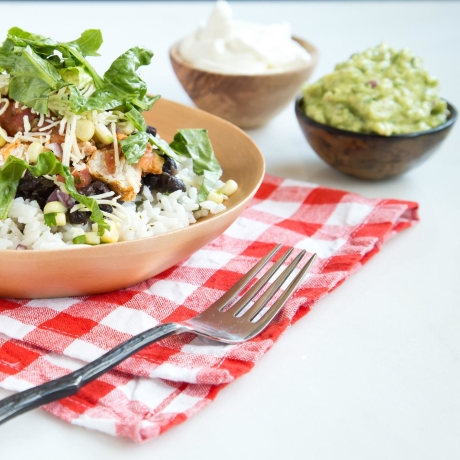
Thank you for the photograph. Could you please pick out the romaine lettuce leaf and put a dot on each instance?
(121, 87)
(134, 146)
(89, 42)
(136, 117)
(195, 144)
(35, 64)
(32, 78)
(164, 147)
(122, 77)
(100, 100)
(73, 53)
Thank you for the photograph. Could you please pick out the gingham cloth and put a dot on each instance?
(169, 381)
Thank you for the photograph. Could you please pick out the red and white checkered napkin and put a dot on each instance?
(169, 381)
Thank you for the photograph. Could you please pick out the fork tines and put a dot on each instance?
(253, 311)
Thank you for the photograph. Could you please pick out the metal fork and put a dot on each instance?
(222, 321)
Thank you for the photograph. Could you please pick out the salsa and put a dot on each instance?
(380, 91)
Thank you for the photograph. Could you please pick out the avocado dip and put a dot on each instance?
(379, 91)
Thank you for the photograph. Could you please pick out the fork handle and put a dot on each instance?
(71, 383)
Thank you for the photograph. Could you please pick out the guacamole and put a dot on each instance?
(380, 91)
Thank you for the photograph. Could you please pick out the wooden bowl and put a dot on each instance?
(89, 270)
(249, 101)
(371, 156)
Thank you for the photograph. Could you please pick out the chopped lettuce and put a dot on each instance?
(195, 144)
(39, 66)
(134, 146)
(47, 163)
(33, 64)
(122, 79)
(121, 87)
(89, 42)
(164, 147)
(33, 79)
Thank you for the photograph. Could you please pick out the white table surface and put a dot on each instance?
(373, 372)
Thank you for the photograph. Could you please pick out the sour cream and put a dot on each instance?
(225, 45)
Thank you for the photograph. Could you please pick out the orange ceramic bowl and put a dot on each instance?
(96, 269)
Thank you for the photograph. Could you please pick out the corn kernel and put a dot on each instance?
(60, 219)
(102, 134)
(217, 197)
(92, 238)
(2, 137)
(112, 235)
(33, 151)
(127, 127)
(54, 206)
(84, 129)
(229, 188)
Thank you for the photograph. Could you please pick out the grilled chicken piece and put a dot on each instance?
(86, 148)
(125, 181)
(151, 162)
(17, 149)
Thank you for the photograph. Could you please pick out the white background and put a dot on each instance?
(373, 372)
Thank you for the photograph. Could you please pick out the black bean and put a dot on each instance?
(169, 165)
(152, 181)
(170, 183)
(35, 188)
(164, 183)
(96, 187)
(151, 130)
(79, 217)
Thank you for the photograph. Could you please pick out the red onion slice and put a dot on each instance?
(64, 198)
(53, 196)
(67, 200)
(21, 247)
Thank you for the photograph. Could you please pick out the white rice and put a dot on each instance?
(151, 214)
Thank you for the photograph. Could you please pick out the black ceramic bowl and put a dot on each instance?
(371, 156)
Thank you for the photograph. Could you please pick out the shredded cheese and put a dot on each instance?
(80, 166)
(49, 126)
(62, 125)
(113, 126)
(30, 137)
(101, 196)
(75, 153)
(41, 120)
(67, 145)
(6, 103)
(111, 216)
(26, 122)
(57, 182)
